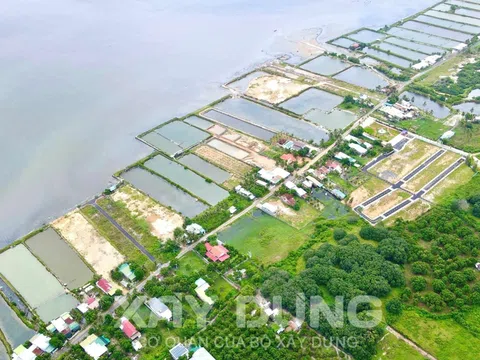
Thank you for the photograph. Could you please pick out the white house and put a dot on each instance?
(359, 149)
(195, 229)
(159, 309)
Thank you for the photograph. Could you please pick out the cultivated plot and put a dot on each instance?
(449, 24)
(239, 125)
(396, 166)
(336, 119)
(366, 36)
(274, 88)
(312, 99)
(429, 50)
(269, 118)
(182, 134)
(437, 31)
(36, 285)
(161, 220)
(199, 122)
(454, 17)
(362, 77)
(187, 179)
(12, 327)
(164, 192)
(97, 251)
(392, 59)
(409, 54)
(60, 258)
(266, 238)
(423, 38)
(224, 161)
(424, 103)
(205, 168)
(325, 65)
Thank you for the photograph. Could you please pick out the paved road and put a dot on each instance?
(424, 165)
(122, 230)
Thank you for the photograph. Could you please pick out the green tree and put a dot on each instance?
(394, 306)
(418, 283)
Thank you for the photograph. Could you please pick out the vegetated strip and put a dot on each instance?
(443, 174)
(424, 165)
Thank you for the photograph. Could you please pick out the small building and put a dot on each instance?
(288, 199)
(178, 351)
(232, 210)
(137, 345)
(307, 184)
(357, 148)
(290, 185)
(300, 192)
(90, 304)
(273, 176)
(65, 325)
(202, 287)
(202, 354)
(314, 181)
(128, 329)
(333, 165)
(243, 192)
(261, 183)
(95, 346)
(127, 272)
(352, 138)
(342, 156)
(367, 145)
(338, 194)
(288, 158)
(447, 135)
(270, 209)
(217, 253)
(369, 137)
(195, 229)
(159, 309)
(105, 286)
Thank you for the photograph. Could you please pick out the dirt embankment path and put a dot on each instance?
(411, 343)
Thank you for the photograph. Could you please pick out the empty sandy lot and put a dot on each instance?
(224, 161)
(366, 191)
(97, 251)
(162, 221)
(411, 212)
(274, 89)
(385, 203)
(396, 166)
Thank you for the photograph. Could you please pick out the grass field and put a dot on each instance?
(428, 174)
(391, 348)
(114, 236)
(425, 126)
(447, 68)
(297, 219)
(366, 191)
(382, 132)
(444, 339)
(449, 184)
(467, 139)
(409, 213)
(267, 238)
(221, 288)
(190, 264)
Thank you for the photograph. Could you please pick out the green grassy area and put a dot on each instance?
(391, 348)
(190, 264)
(221, 288)
(302, 217)
(135, 226)
(449, 185)
(443, 338)
(267, 238)
(444, 69)
(114, 236)
(332, 208)
(466, 138)
(381, 132)
(425, 126)
(411, 212)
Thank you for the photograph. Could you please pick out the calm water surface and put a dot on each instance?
(80, 78)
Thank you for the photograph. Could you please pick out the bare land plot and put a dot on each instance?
(433, 170)
(224, 161)
(35, 284)
(60, 258)
(274, 89)
(366, 191)
(458, 177)
(410, 212)
(396, 166)
(381, 132)
(162, 221)
(386, 203)
(228, 149)
(97, 251)
(297, 219)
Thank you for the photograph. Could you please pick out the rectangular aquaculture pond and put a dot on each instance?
(449, 24)
(366, 36)
(336, 119)
(465, 4)
(437, 31)
(187, 179)
(182, 134)
(454, 17)
(395, 60)
(36, 285)
(424, 38)
(12, 327)
(162, 144)
(343, 42)
(164, 192)
(409, 54)
(429, 50)
(60, 258)
(468, 12)
(199, 122)
(361, 77)
(325, 65)
(272, 119)
(228, 149)
(312, 99)
(205, 168)
(239, 125)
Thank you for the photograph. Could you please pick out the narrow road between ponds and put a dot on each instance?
(411, 343)
(122, 230)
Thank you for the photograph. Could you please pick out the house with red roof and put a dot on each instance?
(128, 329)
(289, 158)
(288, 199)
(334, 166)
(105, 286)
(216, 253)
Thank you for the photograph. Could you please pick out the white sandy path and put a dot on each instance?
(97, 251)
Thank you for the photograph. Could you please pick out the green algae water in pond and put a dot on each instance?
(12, 327)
